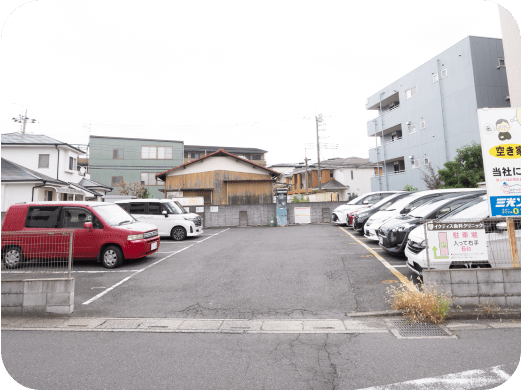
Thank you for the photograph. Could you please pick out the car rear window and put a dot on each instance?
(137, 208)
(43, 217)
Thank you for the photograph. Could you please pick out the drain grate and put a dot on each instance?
(408, 329)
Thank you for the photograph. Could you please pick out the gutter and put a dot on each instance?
(43, 185)
(58, 165)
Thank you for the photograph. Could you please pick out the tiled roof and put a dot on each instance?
(32, 139)
(220, 152)
(91, 183)
(15, 172)
(334, 185)
(342, 162)
(199, 148)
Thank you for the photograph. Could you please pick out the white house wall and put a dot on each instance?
(359, 185)
(218, 163)
(16, 193)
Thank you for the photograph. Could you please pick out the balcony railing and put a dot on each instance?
(385, 112)
(390, 173)
(388, 142)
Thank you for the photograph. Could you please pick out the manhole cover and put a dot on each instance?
(409, 329)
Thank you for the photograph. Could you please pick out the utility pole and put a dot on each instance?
(23, 119)
(306, 161)
(319, 119)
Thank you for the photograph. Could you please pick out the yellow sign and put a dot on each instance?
(506, 151)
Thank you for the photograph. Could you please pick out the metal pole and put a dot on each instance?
(306, 160)
(383, 143)
(377, 158)
(25, 121)
(70, 253)
(318, 158)
(426, 245)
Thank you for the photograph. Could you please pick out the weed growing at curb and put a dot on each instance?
(419, 304)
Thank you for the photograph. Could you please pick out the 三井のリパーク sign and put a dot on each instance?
(500, 132)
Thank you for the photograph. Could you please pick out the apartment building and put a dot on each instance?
(113, 159)
(426, 115)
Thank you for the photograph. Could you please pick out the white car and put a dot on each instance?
(496, 237)
(168, 215)
(339, 215)
(405, 206)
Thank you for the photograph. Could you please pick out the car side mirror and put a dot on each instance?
(502, 226)
(89, 226)
(404, 211)
(165, 213)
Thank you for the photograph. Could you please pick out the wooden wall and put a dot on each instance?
(249, 192)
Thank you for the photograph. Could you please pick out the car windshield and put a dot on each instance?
(114, 215)
(424, 210)
(477, 208)
(403, 202)
(175, 207)
(387, 202)
(358, 199)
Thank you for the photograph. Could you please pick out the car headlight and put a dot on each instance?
(403, 227)
(422, 243)
(136, 237)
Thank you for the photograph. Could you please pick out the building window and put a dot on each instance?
(501, 62)
(422, 125)
(435, 78)
(43, 161)
(187, 155)
(149, 179)
(331, 174)
(156, 152)
(352, 175)
(409, 93)
(444, 73)
(412, 128)
(196, 155)
(415, 163)
(426, 161)
(72, 164)
(117, 154)
(115, 180)
(47, 197)
(256, 157)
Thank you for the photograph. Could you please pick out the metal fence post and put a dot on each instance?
(426, 245)
(512, 242)
(70, 253)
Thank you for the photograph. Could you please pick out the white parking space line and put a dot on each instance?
(77, 272)
(471, 379)
(143, 269)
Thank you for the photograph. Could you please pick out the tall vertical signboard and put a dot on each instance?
(500, 131)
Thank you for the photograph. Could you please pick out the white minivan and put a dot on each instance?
(169, 216)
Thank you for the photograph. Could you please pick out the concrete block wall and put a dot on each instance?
(479, 286)
(38, 296)
(260, 214)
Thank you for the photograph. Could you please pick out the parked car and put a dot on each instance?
(393, 234)
(495, 233)
(103, 231)
(405, 206)
(339, 215)
(360, 217)
(168, 215)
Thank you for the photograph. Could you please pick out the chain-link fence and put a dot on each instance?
(37, 253)
(465, 243)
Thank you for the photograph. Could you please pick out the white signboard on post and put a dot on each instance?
(500, 131)
(302, 214)
(456, 241)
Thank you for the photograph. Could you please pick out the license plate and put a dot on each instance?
(153, 246)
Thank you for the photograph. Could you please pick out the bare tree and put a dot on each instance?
(135, 189)
(431, 178)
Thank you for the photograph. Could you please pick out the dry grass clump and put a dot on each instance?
(419, 305)
(489, 309)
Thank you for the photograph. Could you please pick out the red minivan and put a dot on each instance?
(102, 231)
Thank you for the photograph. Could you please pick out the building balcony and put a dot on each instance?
(391, 120)
(394, 148)
(383, 101)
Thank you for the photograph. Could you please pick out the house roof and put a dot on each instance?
(137, 139)
(33, 139)
(199, 148)
(220, 152)
(86, 189)
(87, 183)
(14, 172)
(343, 162)
(334, 185)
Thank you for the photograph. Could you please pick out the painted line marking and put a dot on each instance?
(395, 272)
(471, 379)
(65, 272)
(139, 271)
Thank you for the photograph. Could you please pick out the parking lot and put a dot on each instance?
(306, 271)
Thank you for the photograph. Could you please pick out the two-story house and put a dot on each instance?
(194, 152)
(113, 159)
(41, 168)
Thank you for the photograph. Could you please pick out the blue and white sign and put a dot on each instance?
(500, 131)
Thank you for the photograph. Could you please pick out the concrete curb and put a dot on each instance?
(455, 314)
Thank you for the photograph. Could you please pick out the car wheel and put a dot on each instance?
(178, 233)
(12, 257)
(111, 257)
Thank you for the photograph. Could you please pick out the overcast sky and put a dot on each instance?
(220, 73)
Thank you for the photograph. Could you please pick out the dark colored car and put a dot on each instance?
(392, 235)
(360, 217)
